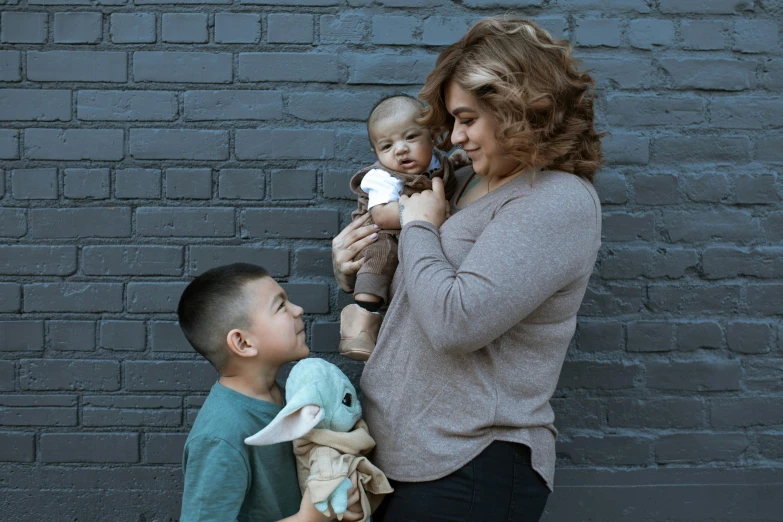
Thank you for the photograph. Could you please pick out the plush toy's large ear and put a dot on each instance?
(302, 413)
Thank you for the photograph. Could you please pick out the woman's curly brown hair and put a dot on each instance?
(530, 83)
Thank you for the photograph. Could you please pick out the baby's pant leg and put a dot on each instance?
(376, 274)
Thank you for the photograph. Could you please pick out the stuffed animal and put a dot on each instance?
(322, 416)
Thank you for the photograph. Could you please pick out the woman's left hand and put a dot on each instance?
(430, 205)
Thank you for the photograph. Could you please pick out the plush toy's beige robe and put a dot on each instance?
(324, 458)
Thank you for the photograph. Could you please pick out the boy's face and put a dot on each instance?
(276, 326)
(401, 144)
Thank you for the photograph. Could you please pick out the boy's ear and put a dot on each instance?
(238, 344)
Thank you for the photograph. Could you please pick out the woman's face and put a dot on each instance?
(474, 130)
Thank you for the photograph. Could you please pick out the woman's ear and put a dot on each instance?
(239, 344)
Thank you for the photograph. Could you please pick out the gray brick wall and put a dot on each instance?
(145, 141)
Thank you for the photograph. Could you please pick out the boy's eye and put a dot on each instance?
(348, 400)
(282, 305)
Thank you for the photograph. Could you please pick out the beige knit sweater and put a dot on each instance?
(472, 346)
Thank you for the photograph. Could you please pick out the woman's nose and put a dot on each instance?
(457, 134)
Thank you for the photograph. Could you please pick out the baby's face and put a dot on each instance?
(401, 144)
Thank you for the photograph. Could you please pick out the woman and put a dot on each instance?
(457, 390)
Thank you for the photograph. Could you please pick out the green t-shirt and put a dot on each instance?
(227, 480)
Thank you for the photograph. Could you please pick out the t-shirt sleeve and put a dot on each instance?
(381, 187)
(530, 249)
(217, 478)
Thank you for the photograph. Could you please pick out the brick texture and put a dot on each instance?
(144, 142)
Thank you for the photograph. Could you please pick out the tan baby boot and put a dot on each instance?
(358, 332)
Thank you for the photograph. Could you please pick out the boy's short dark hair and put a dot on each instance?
(215, 303)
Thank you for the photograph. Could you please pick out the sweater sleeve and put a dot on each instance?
(532, 247)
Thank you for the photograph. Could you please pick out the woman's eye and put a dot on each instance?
(348, 400)
(466, 122)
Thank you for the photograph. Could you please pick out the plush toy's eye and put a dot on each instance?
(348, 400)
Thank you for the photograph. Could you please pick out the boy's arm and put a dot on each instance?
(383, 192)
(217, 479)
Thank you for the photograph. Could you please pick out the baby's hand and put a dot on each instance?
(459, 158)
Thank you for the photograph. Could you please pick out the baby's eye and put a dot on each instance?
(385, 147)
(348, 400)
(412, 136)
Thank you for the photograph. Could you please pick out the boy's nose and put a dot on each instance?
(403, 147)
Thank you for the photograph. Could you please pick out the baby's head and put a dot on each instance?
(400, 143)
(237, 315)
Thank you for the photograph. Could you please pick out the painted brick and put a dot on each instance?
(711, 187)
(635, 111)
(164, 448)
(694, 336)
(132, 260)
(289, 223)
(756, 36)
(63, 374)
(623, 73)
(700, 447)
(746, 113)
(17, 447)
(37, 260)
(168, 376)
(650, 33)
(38, 410)
(598, 32)
(626, 149)
(9, 144)
(7, 369)
(126, 106)
(182, 67)
(394, 30)
(233, 105)
(86, 183)
(556, 26)
(77, 66)
(168, 337)
(657, 413)
(16, 27)
(137, 183)
(344, 28)
(35, 105)
(237, 28)
(71, 335)
(18, 336)
(657, 189)
(50, 223)
(615, 450)
(34, 183)
(702, 149)
(290, 67)
(313, 262)
(179, 144)
(185, 222)
(390, 69)
(578, 413)
(73, 297)
(694, 375)
(241, 184)
(616, 6)
(329, 106)
(188, 183)
(289, 28)
(771, 445)
(704, 225)
(438, 30)
(203, 258)
(11, 297)
(704, 35)
(769, 149)
(628, 227)
(599, 337)
(76, 28)
(284, 144)
(313, 297)
(122, 335)
(773, 226)
(705, 6)
(293, 184)
(693, 299)
(645, 336)
(760, 189)
(765, 299)
(132, 28)
(719, 74)
(611, 299)
(90, 447)
(184, 27)
(598, 375)
(13, 222)
(747, 337)
(731, 262)
(324, 337)
(633, 262)
(154, 297)
(74, 144)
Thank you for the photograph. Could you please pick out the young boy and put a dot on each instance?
(407, 162)
(242, 322)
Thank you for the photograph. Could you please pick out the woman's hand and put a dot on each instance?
(346, 245)
(430, 206)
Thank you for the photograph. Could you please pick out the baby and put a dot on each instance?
(407, 162)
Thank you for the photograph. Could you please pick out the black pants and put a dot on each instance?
(498, 485)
